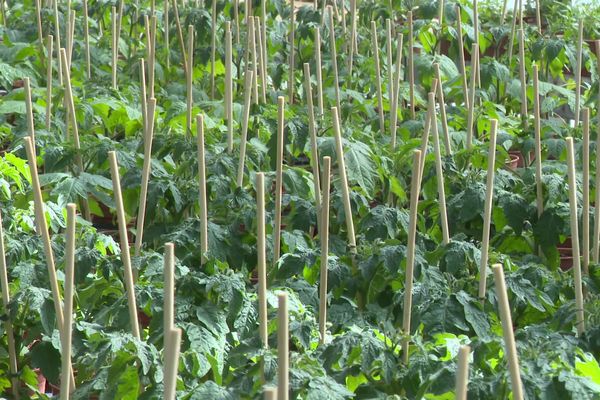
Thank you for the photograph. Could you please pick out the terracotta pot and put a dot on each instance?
(513, 162)
(565, 251)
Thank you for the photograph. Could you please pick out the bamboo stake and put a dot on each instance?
(148, 136)
(411, 65)
(228, 86)
(86, 38)
(70, 34)
(270, 393)
(487, 213)
(596, 239)
(579, 317)
(262, 259)
(426, 130)
(166, 34)
(252, 53)
(585, 215)
(50, 51)
(476, 34)
(38, 15)
(125, 258)
(507, 330)
(539, 199)
(180, 36)
(442, 103)
(283, 360)
(319, 70)
(72, 116)
(415, 189)
(461, 55)
(263, 36)
(312, 129)
(441, 13)
(344, 181)
(377, 76)
(236, 6)
(439, 172)
(462, 375)
(57, 36)
(324, 235)
(10, 336)
(390, 60)
(189, 81)
(213, 48)
(471, 110)
(352, 36)
(396, 95)
(523, 77)
(334, 61)
(278, 179)
(114, 47)
(261, 59)
(172, 363)
(143, 95)
(152, 56)
(202, 177)
(169, 291)
(245, 117)
(67, 330)
(120, 19)
(43, 229)
(578, 72)
(292, 79)
(29, 108)
(512, 32)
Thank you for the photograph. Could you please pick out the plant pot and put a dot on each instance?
(565, 251)
(513, 162)
(143, 319)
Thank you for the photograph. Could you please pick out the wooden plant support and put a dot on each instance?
(476, 35)
(596, 237)
(71, 33)
(236, 7)
(38, 14)
(415, 189)
(585, 212)
(462, 372)
(262, 259)
(487, 213)
(127, 273)
(390, 59)
(283, 356)
(319, 71)
(67, 330)
(279, 178)
(270, 393)
(471, 108)
(441, 12)
(148, 137)
(86, 38)
(189, 81)
(461, 55)
(245, 117)
(50, 50)
(263, 38)
(42, 227)
(523, 78)
(152, 56)
(339, 149)
(172, 362)
(507, 330)
(8, 328)
(114, 47)
(180, 36)
(312, 129)
(228, 86)
(202, 177)
(439, 172)
(166, 37)
(144, 96)
(411, 65)
(396, 94)
(213, 48)
(442, 103)
(57, 37)
(261, 60)
(334, 61)
(73, 118)
(579, 317)
(169, 290)
(539, 199)
(324, 235)
(252, 53)
(352, 37)
(512, 32)
(29, 108)
(377, 76)
(578, 73)
(292, 38)
(120, 21)
(426, 131)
